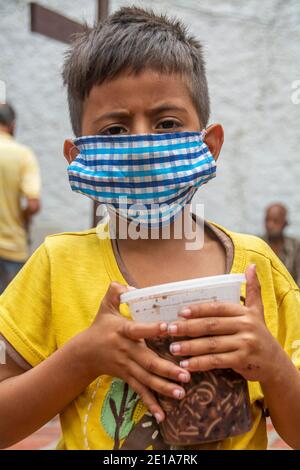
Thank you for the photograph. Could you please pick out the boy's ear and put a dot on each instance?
(214, 139)
(70, 151)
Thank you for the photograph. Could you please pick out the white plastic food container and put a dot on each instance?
(163, 302)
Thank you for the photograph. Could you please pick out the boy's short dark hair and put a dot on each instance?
(7, 114)
(133, 39)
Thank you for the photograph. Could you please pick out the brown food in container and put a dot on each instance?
(216, 405)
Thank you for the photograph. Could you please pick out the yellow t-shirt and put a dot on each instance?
(19, 177)
(57, 295)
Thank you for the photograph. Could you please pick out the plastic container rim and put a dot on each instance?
(179, 286)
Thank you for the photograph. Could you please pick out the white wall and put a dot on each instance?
(252, 50)
(30, 64)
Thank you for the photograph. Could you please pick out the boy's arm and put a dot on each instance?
(282, 392)
(234, 336)
(112, 346)
(28, 400)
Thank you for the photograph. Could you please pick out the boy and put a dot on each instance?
(139, 78)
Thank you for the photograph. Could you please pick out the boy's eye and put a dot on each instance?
(114, 130)
(168, 124)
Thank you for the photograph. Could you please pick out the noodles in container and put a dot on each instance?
(216, 405)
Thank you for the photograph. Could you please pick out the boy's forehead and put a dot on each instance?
(136, 92)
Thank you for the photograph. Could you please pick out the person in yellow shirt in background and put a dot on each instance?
(139, 102)
(19, 197)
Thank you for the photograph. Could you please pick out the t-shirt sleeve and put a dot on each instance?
(30, 176)
(25, 310)
(289, 325)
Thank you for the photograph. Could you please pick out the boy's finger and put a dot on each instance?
(203, 346)
(211, 361)
(148, 399)
(209, 326)
(211, 309)
(165, 368)
(134, 330)
(158, 384)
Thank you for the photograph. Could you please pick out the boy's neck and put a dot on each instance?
(168, 240)
(158, 261)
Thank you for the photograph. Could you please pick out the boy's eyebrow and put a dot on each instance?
(112, 115)
(166, 107)
(157, 109)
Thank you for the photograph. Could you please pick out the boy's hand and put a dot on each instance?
(118, 349)
(228, 336)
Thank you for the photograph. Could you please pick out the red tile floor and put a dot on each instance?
(46, 438)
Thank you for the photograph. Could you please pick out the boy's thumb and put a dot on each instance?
(111, 300)
(253, 289)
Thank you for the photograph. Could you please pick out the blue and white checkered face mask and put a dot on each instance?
(146, 178)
